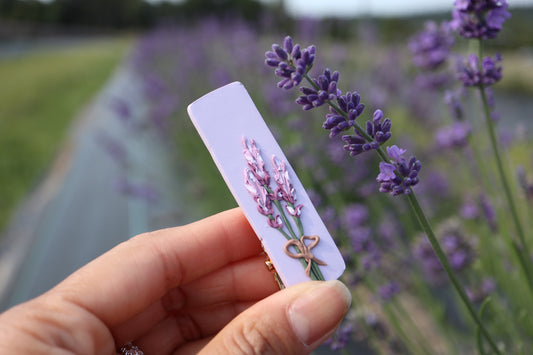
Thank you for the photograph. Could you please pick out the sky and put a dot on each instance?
(316, 8)
(350, 8)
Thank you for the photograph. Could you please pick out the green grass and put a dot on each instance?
(40, 94)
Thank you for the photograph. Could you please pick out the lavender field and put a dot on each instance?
(429, 94)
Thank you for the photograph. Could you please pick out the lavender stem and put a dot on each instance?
(523, 248)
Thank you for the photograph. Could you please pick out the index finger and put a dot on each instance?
(136, 273)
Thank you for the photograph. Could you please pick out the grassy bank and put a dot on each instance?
(40, 94)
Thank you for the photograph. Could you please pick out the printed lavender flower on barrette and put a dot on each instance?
(277, 204)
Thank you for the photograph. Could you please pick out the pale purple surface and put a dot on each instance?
(222, 118)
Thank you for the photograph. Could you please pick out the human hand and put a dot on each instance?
(202, 287)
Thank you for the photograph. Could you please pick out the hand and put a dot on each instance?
(201, 287)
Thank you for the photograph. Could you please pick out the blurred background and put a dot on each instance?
(96, 145)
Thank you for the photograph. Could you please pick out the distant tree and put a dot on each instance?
(123, 13)
(245, 9)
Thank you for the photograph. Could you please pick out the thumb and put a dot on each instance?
(295, 320)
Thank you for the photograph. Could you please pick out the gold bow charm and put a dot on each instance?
(305, 250)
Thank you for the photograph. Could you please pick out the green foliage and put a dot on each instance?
(124, 13)
(40, 94)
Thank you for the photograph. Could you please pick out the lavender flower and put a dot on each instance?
(349, 108)
(142, 191)
(122, 108)
(489, 93)
(341, 337)
(114, 148)
(469, 209)
(432, 81)
(482, 291)
(330, 217)
(525, 184)
(361, 239)
(455, 245)
(364, 245)
(452, 99)
(471, 73)
(325, 88)
(355, 215)
(489, 212)
(454, 136)
(379, 131)
(431, 47)
(398, 176)
(481, 19)
(430, 264)
(388, 290)
(290, 62)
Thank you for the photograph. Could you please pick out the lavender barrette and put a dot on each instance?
(277, 203)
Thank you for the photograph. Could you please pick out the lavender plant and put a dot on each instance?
(397, 175)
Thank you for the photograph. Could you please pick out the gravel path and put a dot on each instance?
(76, 213)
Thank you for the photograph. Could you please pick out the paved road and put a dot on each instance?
(76, 214)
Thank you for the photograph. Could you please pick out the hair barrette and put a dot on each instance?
(265, 186)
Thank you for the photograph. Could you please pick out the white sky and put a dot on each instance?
(316, 8)
(348, 8)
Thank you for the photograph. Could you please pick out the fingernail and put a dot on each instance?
(315, 314)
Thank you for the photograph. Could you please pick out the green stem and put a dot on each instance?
(480, 348)
(497, 155)
(503, 178)
(447, 268)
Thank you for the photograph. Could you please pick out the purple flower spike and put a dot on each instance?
(396, 153)
(472, 73)
(327, 91)
(341, 337)
(452, 99)
(481, 291)
(290, 62)
(454, 136)
(351, 107)
(398, 177)
(479, 18)
(457, 246)
(431, 47)
(379, 131)
(389, 290)
(386, 172)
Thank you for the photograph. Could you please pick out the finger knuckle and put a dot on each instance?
(254, 338)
